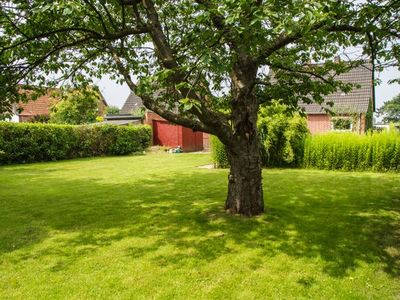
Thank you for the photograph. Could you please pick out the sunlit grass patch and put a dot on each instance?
(154, 227)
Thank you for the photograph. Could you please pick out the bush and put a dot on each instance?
(31, 142)
(375, 151)
(39, 119)
(282, 138)
(75, 106)
(218, 153)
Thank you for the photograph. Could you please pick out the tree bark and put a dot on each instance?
(245, 193)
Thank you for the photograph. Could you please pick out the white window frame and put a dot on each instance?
(341, 117)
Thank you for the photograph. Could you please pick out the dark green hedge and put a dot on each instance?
(377, 151)
(31, 142)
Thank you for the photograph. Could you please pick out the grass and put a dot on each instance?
(153, 226)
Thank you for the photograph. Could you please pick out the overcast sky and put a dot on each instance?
(116, 94)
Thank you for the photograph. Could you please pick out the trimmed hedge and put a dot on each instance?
(377, 151)
(31, 142)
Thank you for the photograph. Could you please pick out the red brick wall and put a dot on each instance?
(322, 123)
(363, 125)
(150, 116)
(25, 118)
(206, 141)
(167, 134)
(191, 140)
(318, 123)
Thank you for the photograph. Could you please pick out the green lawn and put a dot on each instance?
(153, 226)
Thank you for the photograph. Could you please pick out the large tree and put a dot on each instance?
(75, 106)
(390, 111)
(203, 64)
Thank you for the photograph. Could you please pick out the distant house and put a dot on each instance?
(39, 107)
(351, 110)
(164, 132)
(133, 104)
(129, 113)
(23, 112)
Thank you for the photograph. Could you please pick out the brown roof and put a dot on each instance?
(40, 106)
(356, 101)
(132, 103)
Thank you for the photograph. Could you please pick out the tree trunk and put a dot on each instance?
(245, 193)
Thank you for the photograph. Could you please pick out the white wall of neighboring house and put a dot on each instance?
(14, 118)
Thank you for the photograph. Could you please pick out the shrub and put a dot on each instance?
(31, 142)
(282, 138)
(75, 106)
(40, 119)
(112, 110)
(375, 151)
(218, 153)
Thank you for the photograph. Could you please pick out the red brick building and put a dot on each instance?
(41, 107)
(351, 110)
(164, 132)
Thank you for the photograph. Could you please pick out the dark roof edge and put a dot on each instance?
(122, 117)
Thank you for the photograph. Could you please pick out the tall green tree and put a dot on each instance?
(75, 107)
(202, 64)
(112, 110)
(390, 110)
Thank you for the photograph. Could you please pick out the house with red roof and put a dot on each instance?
(350, 111)
(24, 112)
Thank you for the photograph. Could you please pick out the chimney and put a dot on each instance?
(337, 59)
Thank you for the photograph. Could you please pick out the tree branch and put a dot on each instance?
(39, 61)
(163, 49)
(99, 16)
(284, 40)
(218, 22)
(302, 71)
(110, 19)
(92, 35)
(150, 104)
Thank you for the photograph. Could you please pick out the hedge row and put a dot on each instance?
(377, 151)
(31, 142)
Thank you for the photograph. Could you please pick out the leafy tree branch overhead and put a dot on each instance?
(201, 63)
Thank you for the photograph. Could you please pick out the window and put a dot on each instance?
(343, 124)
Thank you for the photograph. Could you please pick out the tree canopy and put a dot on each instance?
(75, 106)
(112, 110)
(187, 49)
(204, 64)
(390, 110)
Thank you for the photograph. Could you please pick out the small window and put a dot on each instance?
(343, 124)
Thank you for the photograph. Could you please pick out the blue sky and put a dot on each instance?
(116, 94)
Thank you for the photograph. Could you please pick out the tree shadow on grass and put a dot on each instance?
(306, 219)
